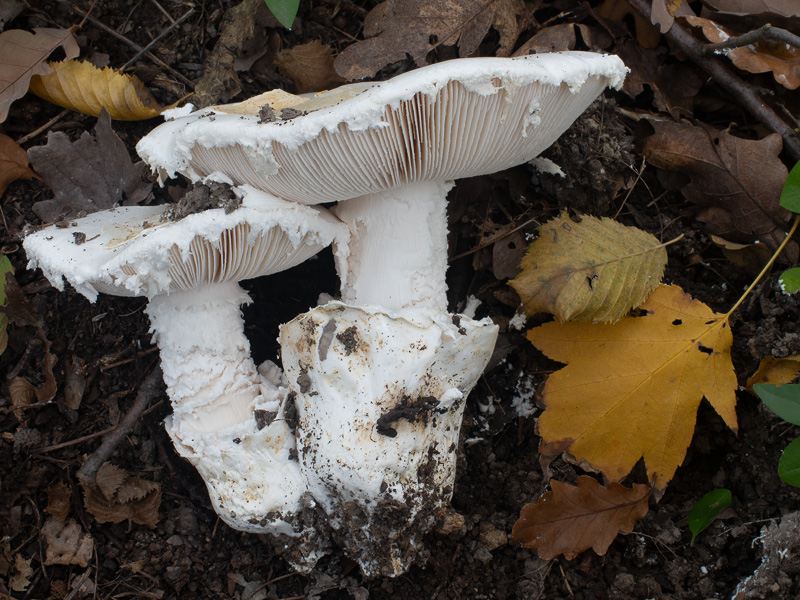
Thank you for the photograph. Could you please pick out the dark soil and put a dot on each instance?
(106, 349)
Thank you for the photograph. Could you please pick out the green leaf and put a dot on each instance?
(5, 267)
(589, 270)
(284, 10)
(783, 400)
(706, 510)
(790, 195)
(790, 281)
(789, 465)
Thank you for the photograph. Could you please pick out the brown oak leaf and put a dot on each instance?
(737, 182)
(23, 57)
(397, 28)
(570, 519)
(94, 173)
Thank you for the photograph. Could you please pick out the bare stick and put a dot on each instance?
(135, 46)
(156, 39)
(147, 391)
(725, 77)
(767, 32)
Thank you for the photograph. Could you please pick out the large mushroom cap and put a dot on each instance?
(138, 251)
(454, 119)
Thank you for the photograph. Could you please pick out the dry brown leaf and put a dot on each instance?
(400, 28)
(631, 390)
(310, 66)
(9, 9)
(570, 520)
(13, 163)
(775, 370)
(664, 12)
(616, 11)
(750, 257)
(58, 501)
(674, 85)
(23, 572)
(74, 383)
(22, 394)
(67, 544)
(94, 173)
(241, 25)
(778, 58)
(784, 8)
(79, 85)
(23, 54)
(117, 497)
(738, 182)
(555, 38)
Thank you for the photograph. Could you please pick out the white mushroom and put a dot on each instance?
(380, 378)
(189, 270)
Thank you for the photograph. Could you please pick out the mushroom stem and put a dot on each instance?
(397, 253)
(210, 376)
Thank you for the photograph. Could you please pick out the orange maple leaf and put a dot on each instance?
(632, 389)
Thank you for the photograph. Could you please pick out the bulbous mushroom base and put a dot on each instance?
(380, 398)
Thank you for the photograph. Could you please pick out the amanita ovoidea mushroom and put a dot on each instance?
(380, 378)
(189, 269)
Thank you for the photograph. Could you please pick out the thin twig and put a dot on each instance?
(135, 46)
(767, 32)
(157, 39)
(74, 442)
(27, 138)
(725, 77)
(163, 11)
(147, 391)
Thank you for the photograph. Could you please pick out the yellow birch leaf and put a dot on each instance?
(632, 389)
(592, 270)
(775, 370)
(81, 86)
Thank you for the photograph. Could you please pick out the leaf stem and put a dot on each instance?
(766, 267)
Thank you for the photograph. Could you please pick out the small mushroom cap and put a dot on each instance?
(137, 251)
(459, 118)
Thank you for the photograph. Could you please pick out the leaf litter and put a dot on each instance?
(631, 390)
(93, 173)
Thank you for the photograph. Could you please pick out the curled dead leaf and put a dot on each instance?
(775, 370)
(778, 58)
(310, 66)
(79, 85)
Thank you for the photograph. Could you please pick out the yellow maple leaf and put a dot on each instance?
(632, 389)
